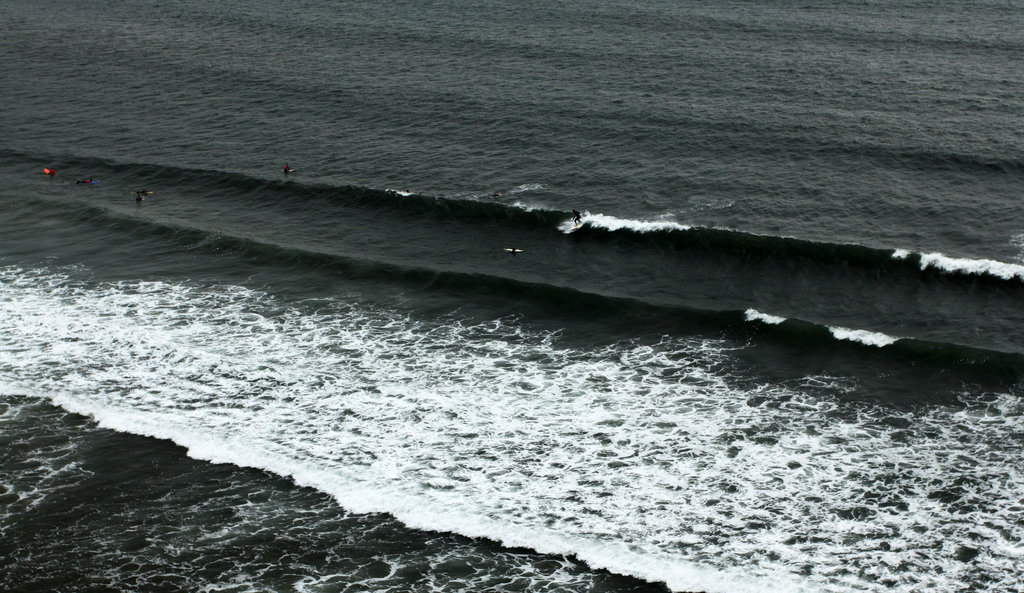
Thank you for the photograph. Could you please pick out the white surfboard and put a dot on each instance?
(568, 226)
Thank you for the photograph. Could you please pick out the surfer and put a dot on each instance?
(89, 180)
(576, 217)
(287, 169)
(496, 194)
(139, 193)
(50, 172)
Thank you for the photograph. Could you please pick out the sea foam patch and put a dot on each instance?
(963, 265)
(613, 223)
(989, 267)
(863, 336)
(639, 458)
(526, 187)
(755, 315)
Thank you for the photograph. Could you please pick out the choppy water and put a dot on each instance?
(782, 353)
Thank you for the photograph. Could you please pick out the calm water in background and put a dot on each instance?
(784, 352)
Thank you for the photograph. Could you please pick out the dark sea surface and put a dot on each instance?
(783, 353)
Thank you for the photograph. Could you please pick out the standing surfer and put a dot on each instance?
(576, 217)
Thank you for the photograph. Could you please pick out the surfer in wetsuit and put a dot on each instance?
(576, 217)
(89, 180)
(287, 169)
(50, 172)
(139, 193)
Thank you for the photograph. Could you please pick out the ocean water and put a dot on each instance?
(784, 351)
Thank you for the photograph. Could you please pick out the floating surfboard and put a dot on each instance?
(513, 250)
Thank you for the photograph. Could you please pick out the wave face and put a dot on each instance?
(645, 459)
(515, 208)
(461, 242)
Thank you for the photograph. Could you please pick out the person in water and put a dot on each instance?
(139, 193)
(576, 217)
(89, 180)
(50, 172)
(287, 169)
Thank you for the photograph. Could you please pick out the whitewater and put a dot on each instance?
(642, 458)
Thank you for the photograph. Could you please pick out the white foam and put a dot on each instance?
(961, 265)
(529, 207)
(639, 458)
(613, 223)
(863, 336)
(972, 266)
(755, 315)
(52, 466)
(526, 187)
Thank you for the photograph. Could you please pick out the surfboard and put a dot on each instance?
(568, 227)
(513, 250)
